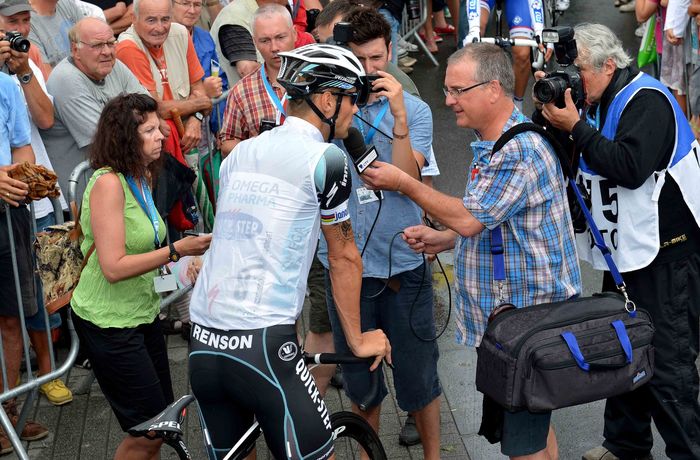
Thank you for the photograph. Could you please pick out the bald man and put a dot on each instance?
(81, 85)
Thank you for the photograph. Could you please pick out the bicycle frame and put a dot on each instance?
(167, 425)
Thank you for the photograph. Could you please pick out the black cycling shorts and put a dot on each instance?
(236, 375)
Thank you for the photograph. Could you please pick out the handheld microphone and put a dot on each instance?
(362, 156)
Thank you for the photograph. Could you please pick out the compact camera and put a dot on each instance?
(553, 86)
(266, 125)
(17, 41)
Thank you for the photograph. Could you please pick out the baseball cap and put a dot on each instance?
(10, 7)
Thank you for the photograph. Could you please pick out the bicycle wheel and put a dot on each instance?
(353, 433)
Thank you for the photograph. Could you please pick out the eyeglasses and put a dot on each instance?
(188, 5)
(353, 96)
(98, 46)
(456, 92)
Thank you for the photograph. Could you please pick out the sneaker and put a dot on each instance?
(406, 70)
(627, 8)
(407, 61)
(409, 433)
(5, 444)
(408, 46)
(601, 453)
(639, 31)
(562, 5)
(56, 392)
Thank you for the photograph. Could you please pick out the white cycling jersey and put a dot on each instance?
(274, 190)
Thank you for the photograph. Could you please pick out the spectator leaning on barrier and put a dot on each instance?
(81, 85)
(15, 147)
(408, 297)
(51, 20)
(258, 97)
(639, 161)
(519, 188)
(15, 16)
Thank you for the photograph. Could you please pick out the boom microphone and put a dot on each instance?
(362, 155)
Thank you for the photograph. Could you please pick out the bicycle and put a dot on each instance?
(350, 431)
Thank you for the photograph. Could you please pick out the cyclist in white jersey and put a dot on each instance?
(525, 20)
(245, 360)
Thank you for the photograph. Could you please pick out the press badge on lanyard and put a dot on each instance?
(364, 195)
(164, 281)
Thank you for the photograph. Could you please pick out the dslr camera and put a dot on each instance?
(17, 41)
(552, 87)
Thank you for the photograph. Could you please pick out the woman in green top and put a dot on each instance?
(116, 303)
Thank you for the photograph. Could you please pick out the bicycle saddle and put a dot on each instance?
(167, 422)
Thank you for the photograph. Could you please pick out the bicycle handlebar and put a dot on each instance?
(335, 358)
(538, 60)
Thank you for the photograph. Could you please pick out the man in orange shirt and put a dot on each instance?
(161, 55)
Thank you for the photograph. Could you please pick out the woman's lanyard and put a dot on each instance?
(145, 199)
(375, 124)
(273, 97)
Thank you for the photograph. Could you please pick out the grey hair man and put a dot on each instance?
(639, 162)
(519, 190)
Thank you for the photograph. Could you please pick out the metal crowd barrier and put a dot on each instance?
(30, 388)
(409, 29)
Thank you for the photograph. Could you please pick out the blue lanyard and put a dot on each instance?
(375, 124)
(145, 199)
(271, 92)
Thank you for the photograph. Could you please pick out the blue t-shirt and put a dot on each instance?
(206, 52)
(14, 119)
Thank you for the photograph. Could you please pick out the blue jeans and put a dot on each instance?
(401, 315)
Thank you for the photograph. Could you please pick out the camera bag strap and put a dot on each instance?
(497, 236)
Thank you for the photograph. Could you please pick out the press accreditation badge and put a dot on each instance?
(364, 195)
(165, 283)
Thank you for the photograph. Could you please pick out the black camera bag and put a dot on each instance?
(561, 354)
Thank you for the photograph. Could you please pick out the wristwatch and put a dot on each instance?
(199, 116)
(25, 78)
(174, 255)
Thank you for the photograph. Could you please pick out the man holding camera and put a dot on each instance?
(256, 103)
(639, 162)
(397, 293)
(519, 189)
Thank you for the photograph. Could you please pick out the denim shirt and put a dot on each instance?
(14, 119)
(206, 52)
(398, 211)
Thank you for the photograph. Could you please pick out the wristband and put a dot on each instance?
(399, 136)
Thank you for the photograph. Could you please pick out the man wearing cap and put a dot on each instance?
(15, 16)
(15, 147)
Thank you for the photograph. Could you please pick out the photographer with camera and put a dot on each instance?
(640, 166)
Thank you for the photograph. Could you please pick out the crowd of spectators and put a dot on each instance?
(204, 75)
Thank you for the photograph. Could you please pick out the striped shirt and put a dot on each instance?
(247, 105)
(522, 189)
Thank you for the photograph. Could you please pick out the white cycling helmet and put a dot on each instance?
(317, 67)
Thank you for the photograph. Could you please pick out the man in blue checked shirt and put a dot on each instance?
(520, 189)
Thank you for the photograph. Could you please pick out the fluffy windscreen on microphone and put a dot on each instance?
(354, 143)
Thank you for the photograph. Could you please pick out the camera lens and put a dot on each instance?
(18, 42)
(549, 89)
